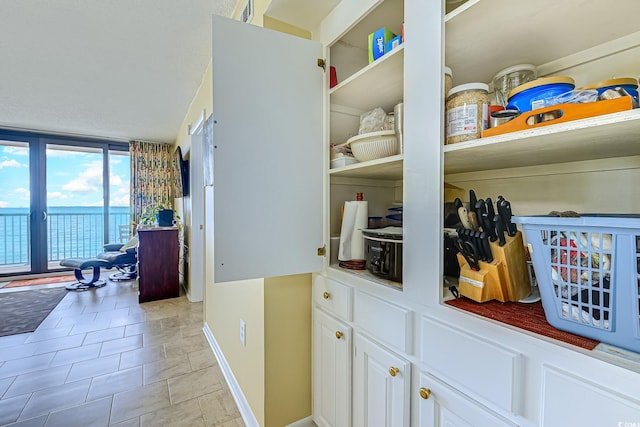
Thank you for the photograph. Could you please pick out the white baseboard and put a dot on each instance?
(305, 422)
(238, 396)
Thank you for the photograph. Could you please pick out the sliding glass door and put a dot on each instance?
(74, 202)
(15, 206)
(66, 198)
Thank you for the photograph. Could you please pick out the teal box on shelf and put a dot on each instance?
(377, 42)
(392, 44)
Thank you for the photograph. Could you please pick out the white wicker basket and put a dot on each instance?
(374, 145)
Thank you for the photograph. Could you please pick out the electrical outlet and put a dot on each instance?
(243, 331)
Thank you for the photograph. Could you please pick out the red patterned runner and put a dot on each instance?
(525, 316)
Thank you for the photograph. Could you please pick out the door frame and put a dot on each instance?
(196, 274)
(38, 192)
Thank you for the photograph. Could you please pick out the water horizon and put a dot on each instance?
(72, 232)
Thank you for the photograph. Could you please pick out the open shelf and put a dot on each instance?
(368, 276)
(379, 84)
(600, 137)
(383, 168)
(576, 27)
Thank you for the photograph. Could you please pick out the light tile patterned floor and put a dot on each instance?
(102, 359)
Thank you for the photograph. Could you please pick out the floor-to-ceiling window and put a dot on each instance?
(61, 198)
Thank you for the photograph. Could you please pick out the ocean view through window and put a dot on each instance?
(65, 198)
(74, 232)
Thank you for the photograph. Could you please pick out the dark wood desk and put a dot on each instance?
(158, 264)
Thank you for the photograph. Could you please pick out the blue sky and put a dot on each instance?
(74, 178)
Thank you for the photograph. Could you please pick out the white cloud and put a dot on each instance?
(11, 164)
(88, 181)
(52, 195)
(21, 194)
(3, 204)
(115, 180)
(16, 151)
(120, 200)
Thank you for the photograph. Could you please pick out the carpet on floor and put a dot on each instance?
(23, 311)
(525, 316)
(40, 281)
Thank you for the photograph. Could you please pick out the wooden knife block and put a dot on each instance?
(483, 285)
(504, 279)
(513, 262)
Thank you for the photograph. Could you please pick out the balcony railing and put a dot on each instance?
(69, 235)
(15, 239)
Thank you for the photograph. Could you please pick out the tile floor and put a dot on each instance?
(102, 359)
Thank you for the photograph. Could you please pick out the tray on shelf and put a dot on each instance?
(560, 113)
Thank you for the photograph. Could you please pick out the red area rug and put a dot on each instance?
(525, 316)
(40, 281)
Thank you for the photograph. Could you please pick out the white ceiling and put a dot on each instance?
(305, 14)
(117, 69)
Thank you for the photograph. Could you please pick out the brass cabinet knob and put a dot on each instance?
(326, 295)
(393, 371)
(425, 393)
(339, 334)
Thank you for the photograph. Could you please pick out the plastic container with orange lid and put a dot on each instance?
(629, 84)
(531, 95)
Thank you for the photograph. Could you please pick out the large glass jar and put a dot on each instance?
(466, 108)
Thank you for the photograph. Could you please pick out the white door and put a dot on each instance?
(569, 400)
(332, 371)
(380, 386)
(267, 136)
(441, 406)
(196, 194)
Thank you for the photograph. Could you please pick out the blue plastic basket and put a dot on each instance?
(588, 272)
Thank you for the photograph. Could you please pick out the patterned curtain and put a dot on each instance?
(155, 176)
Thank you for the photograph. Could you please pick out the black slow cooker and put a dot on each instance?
(383, 252)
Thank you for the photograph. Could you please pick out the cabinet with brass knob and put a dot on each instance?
(333, 296)
(440, 405)
(425, 393)
(331, 370)
(381, 385)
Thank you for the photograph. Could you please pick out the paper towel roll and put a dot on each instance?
(354, 219)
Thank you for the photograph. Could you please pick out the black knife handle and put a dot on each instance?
(511, 227)
(500, 230)
(484, 239)
(490, 210)
(478, 242)
(487, 227)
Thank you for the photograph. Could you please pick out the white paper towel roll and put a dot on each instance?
(355, 217)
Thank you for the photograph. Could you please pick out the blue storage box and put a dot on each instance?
(377, 42)
(393, 43)
(588, 274)
(531, 95)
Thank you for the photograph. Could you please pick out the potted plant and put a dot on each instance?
(160, 215)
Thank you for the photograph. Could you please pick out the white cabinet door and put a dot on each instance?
(331, 371)
(441, 406)
(569, 400)
(267, 156)
(381, 386)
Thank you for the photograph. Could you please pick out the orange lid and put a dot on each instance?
(621, 81)
(541, 82)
